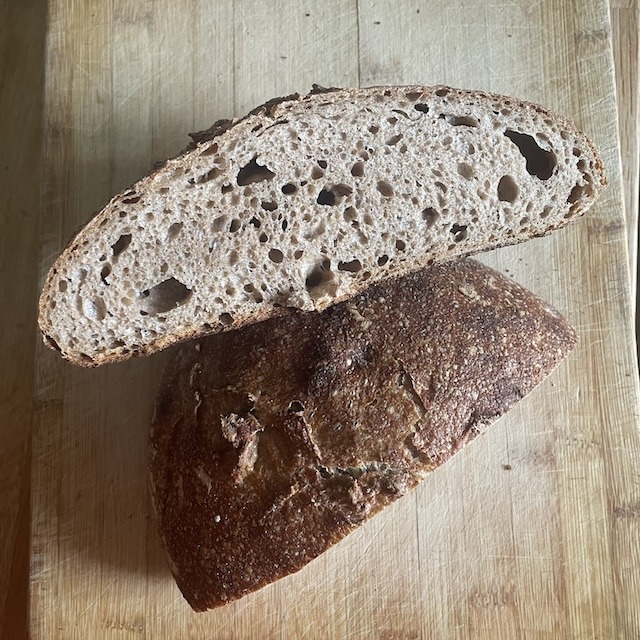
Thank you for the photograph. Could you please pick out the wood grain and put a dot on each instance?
(625, 22)
(21, 95)
(531, 532)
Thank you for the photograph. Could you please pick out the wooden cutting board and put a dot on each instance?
(533, 531)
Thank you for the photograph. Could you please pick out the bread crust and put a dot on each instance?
(271, 443)
(271, 111)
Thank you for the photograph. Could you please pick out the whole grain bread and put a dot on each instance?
(307, 201)
(271, 443)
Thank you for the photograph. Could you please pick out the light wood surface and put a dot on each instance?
(625, 29)
(117, 589)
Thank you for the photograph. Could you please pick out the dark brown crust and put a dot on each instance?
(273, 109)
(271, 443)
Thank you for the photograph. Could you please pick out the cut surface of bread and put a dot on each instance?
(307, 201)
(272, 442)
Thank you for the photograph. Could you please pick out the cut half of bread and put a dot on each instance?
(271, 443)
(307, 201)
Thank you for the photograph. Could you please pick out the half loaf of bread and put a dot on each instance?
(271, 443)
(304, 203)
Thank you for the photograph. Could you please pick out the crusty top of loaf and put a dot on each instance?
(272, 442)
(307, 201)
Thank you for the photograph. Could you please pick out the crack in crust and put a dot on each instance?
(242, 432)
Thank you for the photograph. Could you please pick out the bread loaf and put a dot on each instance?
(307, 201)
(271, 443)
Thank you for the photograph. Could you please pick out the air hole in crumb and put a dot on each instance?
(131, 200)
(466, 170)
(382, 260)
(225, 188)
(164, 268)
(105, 272)
(210, 150)
(392, 120)
(256, 295)
(253, 172)
(545, 212)
(374, 129)
(341, 189)
(441, 93)
(441, 186)
(461, 121)
(384, 188)
(350, 214)
(577, 192)
(164, 297)
(163, 190)
(95, 309)
(263, 237)
(174, 230)
(321, 281)
(120, 244)
(235, 225)
(413, 95)
(423, 108)
(352, 267)
(459, 232)
(269, 206)
(357, 169)
(524, 221)
(62, 286)
(288, 189)
(254, 222)
(400, 245)
(430, 215)
(284, 225)
(508, 189)
(539, 163)
(393, 140)
(326, 197)
(316, 173)
(275, 255)
(212, 174)
(322, 164)
(298, 254)
(219, 223)
(226, 319)
(234, 258)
